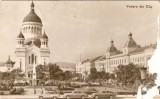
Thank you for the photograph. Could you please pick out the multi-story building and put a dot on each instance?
(131, 53)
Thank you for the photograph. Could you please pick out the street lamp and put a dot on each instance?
(34, 81)
(116, 82)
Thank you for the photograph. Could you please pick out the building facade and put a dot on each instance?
(32, 44)
(131, 53)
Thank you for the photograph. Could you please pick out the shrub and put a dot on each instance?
(12, 91)
(1, 93)
(19, 91)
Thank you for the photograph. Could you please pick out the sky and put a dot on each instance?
(80, 28)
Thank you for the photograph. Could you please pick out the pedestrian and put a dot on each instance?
(34, 89)
(41, 91)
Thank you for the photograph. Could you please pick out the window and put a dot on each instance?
(44, 62)
(35, 59)
(28, 75)
(29, 60)
(20, 63)
(32, 58)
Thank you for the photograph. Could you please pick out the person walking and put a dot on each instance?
(34, 89)
(41, 90)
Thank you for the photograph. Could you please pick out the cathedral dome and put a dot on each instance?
(20, 35)
(130, 42)
(32, 16)
(112, 48)
(44, 36)
(9, 61)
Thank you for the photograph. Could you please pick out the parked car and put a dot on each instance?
(103, 94)
(75, 95)
(50, 95)
(89, 91)
(66, 89)
(49, 89)
(129, 93)
(75, 85)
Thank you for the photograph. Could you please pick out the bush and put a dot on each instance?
(12, 91)
(1, 93)
(19, 91)
(4, 88)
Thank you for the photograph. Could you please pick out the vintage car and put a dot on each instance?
(48, 90)
(73, 85)
(104, 94)
(75, 95)
(90, 91)
(50, 95)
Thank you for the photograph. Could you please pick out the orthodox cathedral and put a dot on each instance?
(32, 45)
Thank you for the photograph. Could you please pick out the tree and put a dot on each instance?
(42, 72)
(93, 74)
(126, 74)
(54, 71)
(16, 74)
(106, 76)
(67, 75)
(93, 70)
(101, 75)
(112, 76)
(6, 76)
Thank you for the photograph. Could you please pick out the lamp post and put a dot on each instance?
(34, 81)
(116, 82)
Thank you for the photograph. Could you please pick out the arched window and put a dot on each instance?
(29, 59)
(32, 29)
(35, 59)
(44, 61)
(32, 58)
(29, 29)
(20, 63)
(23, 29)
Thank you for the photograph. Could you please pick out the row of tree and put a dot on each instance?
(98, 75)
(52, 72)
(14, 74)
(125, 74)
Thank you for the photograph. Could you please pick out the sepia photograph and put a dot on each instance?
(79, 49)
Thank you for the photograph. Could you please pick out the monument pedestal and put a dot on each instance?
(34, 82)
(143, 71)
